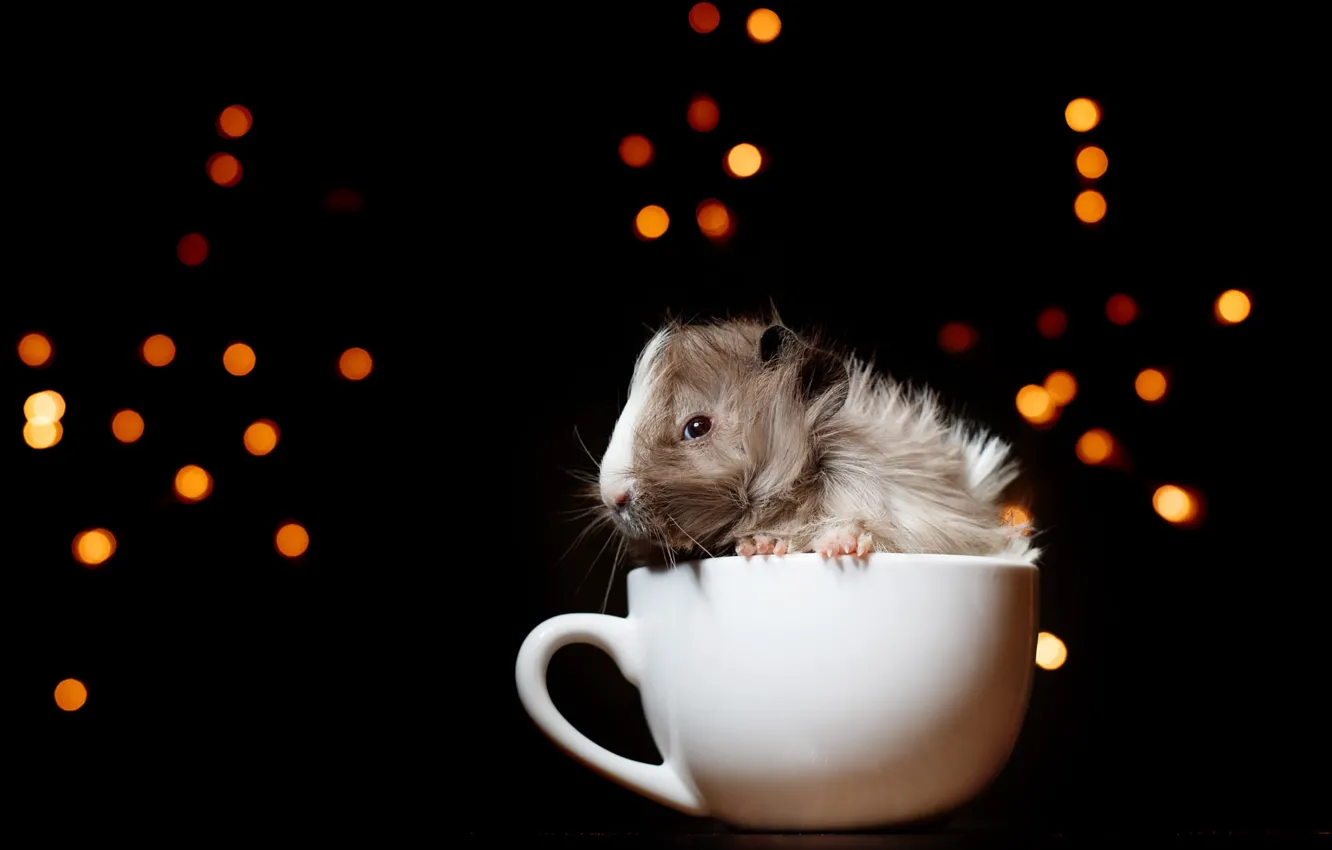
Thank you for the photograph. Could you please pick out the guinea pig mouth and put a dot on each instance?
(631, 524)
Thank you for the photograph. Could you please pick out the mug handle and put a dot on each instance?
(618, 638)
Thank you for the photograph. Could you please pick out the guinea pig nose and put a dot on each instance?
(621, 499)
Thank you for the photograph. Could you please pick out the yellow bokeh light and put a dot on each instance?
(703, 114)
(44, 407)
(1050, 652)
(1176, 505)
(1232, 307)
(193, 484)
(1082, 114)
(1035, 404)
(127, 426)
(71, 695)
(1150, 385)
(1061, 386)
(93, 547)
(635, 151)
(42, 436)
(355, 364)
(1095, 447)
(291, 540)
(1089, 206)
(1092, 162)
(743, 160)
(158, 350)
(234, 122)
(704, 18)
(763, 25)
(1052, 322)
(261, 437)
(651, 222)
(957, 337)
(1121, 309)
(714, 220)
(238, 359)
(35, 350)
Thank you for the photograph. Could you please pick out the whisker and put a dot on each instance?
(690, 536)
(615, 567)
(585, 448)
(582, 535)
(594, 563)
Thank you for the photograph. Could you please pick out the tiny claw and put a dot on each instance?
(865, 544)
(780, 548)
(765, 546)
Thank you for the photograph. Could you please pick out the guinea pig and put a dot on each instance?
(741, 436)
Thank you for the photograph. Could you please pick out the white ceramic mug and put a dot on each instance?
(793, 693)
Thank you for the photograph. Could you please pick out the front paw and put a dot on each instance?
(761, 544)
(849, 539)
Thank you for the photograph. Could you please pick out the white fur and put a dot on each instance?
(616, 462)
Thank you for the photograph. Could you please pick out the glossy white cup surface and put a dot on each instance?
(796, 693)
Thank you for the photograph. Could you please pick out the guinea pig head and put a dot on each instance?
(721, 422)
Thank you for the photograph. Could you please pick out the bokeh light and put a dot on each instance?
(1035, 404)
(42, 435)
(704, 18)
(714, 220)
(224, 169)
(1095, 447)
(192, 249)
(1052, 322)
(957, 337)
(343, 201)
(127, 426)
(743, 160)
(291, 540)
(94, 547)
(1018, 517)
(1150, 385)
(71, 695)
(763, 25)
(355, 364)
(1051, 653)
(158, 350)
(635, 151)
(1092, 162)
(44, 407)
(1082, 114)
(1120, 309)
(651, 222)
(35, 350)
(1177, 505)
(1089, 206)
(238, 359)
(261, 437)
(703, 113)
(1232, 307)
(193, 484)
(1061, 386)
(234, 121)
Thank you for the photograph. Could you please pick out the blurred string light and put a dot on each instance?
(193, 484)
(224, 169)
(261, 437)
(1051, 653)
(743, 160)
(652, 222)
(234, 121)
(192, 249)
(238, 359)
(1092, 162)
(1177, 505)
(355, 364)
(1089, 206)
(1095, 447)
(714, 220)
(703, 113)
(1016, 516)
(1121, 309)
(35, 350)
(1052, 322)
(44, 435)
(1061, 386)
(1035, 405)
(1150, 385)
(636, 151)
(957, 337)
(158, 350)
(291, 540)
(93, 547)
(1082, 114)
(71, 695)
(704, 18)
(1232, 307)
(763, 25)
(127, 426)
(42, 412)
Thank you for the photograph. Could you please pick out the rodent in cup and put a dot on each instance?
(741, 436)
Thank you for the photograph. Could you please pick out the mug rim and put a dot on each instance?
(970, 561)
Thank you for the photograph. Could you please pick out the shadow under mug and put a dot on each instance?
(797, 693)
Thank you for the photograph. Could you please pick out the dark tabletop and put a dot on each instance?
(935, 841)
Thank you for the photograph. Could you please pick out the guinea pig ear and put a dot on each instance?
(776, 341)
(823, 381)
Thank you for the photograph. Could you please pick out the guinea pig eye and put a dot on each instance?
(697, 427)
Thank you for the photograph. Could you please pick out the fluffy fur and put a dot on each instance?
(807, 451)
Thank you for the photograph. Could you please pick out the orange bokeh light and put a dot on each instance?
(1121, 309)
(1016, 515)
(743, 160)
(1092, 162)
(703, 113)
(42, 435)
(714, 220)
(957, 337)
(355, 364)
(44, 407)
(93, 547)
(224, 169)
(262, 437)
(158, 350)
(651, 222)
(635, 151)
(1095, 447)
(763, 25)
(1177, 505)
(1089, 206)
(127, 426)
(1052, 322)
(1035, 405)
(234, 122)
(35, 350)
(70, 695)
(704, 18)
(192, 249)
(1232, 307)
(238, 359)
(291, 540)
(193, 484)
(1150, 385)
(1082, 114)
(1061, 386)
